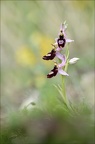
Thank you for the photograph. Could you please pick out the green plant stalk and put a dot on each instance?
(63, 81)
(63, 77)
(64, 90)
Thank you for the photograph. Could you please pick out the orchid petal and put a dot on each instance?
(63, 27)
(62, 64)
(69, 40)
(58, 49)
(60, 56)
(60, 71)
(64, 34)
(64, 22)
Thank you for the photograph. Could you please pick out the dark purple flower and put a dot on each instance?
(58, 68)
(61, 41)
(50, 55)
(53, 72)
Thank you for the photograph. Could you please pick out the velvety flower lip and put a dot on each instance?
(50, 55)
(61, 43)
(54, 53)
(62, 40)
(58, 68)
(53, 72)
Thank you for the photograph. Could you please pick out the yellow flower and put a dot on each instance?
(25, 56)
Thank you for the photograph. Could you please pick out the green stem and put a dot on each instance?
(63, 91)
(64, 94)
(63, 77)
(63, 87)
(63, 80)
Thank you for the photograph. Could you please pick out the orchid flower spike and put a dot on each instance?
(55, 52)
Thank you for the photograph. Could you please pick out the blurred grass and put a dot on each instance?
(40, 126)
(27, 30)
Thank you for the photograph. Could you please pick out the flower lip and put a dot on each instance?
(58, 68)
(61, 36)
(53, 72)
(50, 55)
(61, 42)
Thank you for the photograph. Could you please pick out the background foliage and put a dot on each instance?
(27, 30)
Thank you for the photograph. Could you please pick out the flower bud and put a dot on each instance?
(73, 60)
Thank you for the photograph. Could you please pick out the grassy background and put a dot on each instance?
(27, 30)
